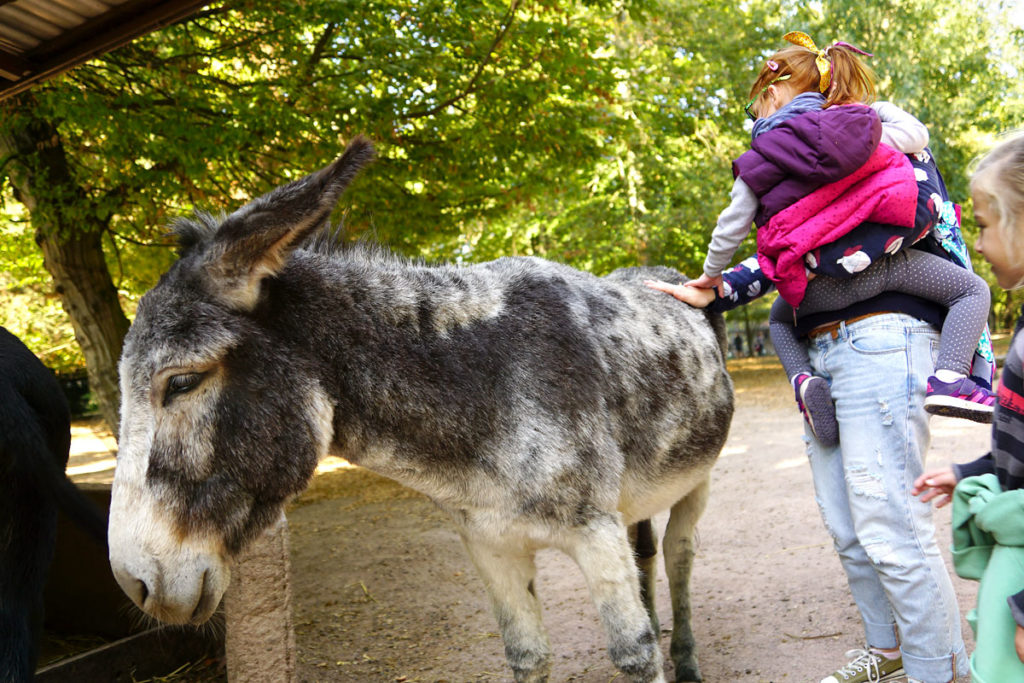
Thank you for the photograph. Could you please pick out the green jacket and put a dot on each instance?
(983, 516)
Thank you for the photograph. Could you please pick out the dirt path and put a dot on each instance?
(384, 591)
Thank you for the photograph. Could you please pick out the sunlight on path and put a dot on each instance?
(93, 449)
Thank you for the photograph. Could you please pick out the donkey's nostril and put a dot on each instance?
(143, 592)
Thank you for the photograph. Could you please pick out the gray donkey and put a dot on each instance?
(538, 405)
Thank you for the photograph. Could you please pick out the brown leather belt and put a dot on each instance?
(832, 329)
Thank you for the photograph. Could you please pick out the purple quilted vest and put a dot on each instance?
(806, 152)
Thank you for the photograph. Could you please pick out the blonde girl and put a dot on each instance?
(988, 493)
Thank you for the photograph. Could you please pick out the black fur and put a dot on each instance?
(35, 438)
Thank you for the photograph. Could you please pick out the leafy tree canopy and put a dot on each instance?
(599, 133)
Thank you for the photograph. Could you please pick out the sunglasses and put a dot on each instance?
(750, 104)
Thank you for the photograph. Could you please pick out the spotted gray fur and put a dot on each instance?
(537, 404)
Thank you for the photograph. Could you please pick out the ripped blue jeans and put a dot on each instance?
(878, 369)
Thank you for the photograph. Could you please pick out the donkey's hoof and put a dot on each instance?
(688, 672)
(530, 668)
(531, 676)
(640, 660)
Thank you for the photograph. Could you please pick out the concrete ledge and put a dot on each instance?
(260, 644)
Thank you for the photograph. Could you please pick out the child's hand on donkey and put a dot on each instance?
(698, 293)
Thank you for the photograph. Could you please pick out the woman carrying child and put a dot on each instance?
(988, 493)
(874, 353)
(828, 176)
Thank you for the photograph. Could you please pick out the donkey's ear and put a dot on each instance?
(254, 242)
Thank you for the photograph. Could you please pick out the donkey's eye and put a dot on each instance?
(182, 384)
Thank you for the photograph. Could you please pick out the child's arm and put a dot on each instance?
(941, 482)
(900, 130)
(737, 286)
(732, 228)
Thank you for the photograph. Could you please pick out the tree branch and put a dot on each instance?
(139, 243)
(318, 50)
(471, 86)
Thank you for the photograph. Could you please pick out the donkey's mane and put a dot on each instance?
(195, 232)
(333, 240)
(191, 232)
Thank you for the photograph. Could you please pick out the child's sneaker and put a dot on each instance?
(815, 401)
(959, 398)
(867, 667)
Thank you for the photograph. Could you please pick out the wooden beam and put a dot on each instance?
(13, 67)
(97, 36)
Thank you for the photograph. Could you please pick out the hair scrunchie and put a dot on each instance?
(821, 59)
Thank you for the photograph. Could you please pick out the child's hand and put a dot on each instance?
(938, 484)
(705, 282)
(1018, 642)
(698, 298)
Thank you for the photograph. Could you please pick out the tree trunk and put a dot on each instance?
(69, 230)
(82, 280)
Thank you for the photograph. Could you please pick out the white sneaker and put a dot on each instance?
(867, 667)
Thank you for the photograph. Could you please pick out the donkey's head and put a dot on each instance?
(219, 426)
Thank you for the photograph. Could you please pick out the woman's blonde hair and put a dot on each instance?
(850, 79)
(999, 177)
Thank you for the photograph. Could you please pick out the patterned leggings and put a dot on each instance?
(911, 271)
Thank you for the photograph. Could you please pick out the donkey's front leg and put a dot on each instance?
(678, 545)
(602, 550)
(508, 574)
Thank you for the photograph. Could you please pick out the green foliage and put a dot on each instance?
(30, 311)
(596, 133)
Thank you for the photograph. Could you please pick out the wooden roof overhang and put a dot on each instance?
(42, 38)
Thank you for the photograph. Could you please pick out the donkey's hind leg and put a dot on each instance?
(678, 545)
(508, 574)
(645, 549)
(601, 549)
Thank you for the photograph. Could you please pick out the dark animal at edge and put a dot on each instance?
(35, 439)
